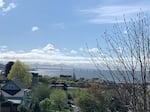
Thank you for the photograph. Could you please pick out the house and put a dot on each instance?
(15, 94)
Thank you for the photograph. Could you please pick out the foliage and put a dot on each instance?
(76, 93)
(44, 80)
(22, 108)
(96, 89)
(92, 99)
(45, 105)
(56, 103)
(117, 105)
(69, 81)
(88, 103)
(36, 107)
(99, 91)
(58, 100)
(20, 71)
(8, 67)
(40, 92)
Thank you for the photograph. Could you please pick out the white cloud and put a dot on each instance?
(35, 28)
(45, 55)
(73, 52)
(94, 50)
(81, 49)
(2, 3)
(125, 32)
(49, 47)
(113, 13)
(9, 7)
(50, 55)
(3, 48)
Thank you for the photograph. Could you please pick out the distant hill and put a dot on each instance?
(49, 66)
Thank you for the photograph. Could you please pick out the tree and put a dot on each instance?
(22, 108)
(117, 106)
(58, 100)
(40, 92)
(99, 91)
(44, 79)
(45, 105)
(20, 71)
(88, 103)
(36, 107)
(8, 67)
(127, 58)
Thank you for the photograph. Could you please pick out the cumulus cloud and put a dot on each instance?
(47, 54)
(73, 52)
(81, 49)
(2, 3)
(50, 55)
(6, 7)
(35, 28)
(9, 7)
(49, 47)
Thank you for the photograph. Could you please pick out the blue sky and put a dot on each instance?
(55, 31)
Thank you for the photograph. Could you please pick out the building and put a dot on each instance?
(15, 94)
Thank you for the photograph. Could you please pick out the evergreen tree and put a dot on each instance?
(8, 67)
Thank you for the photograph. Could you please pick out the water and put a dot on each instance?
(86, 73)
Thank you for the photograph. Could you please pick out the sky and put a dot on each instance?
(57, 31)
